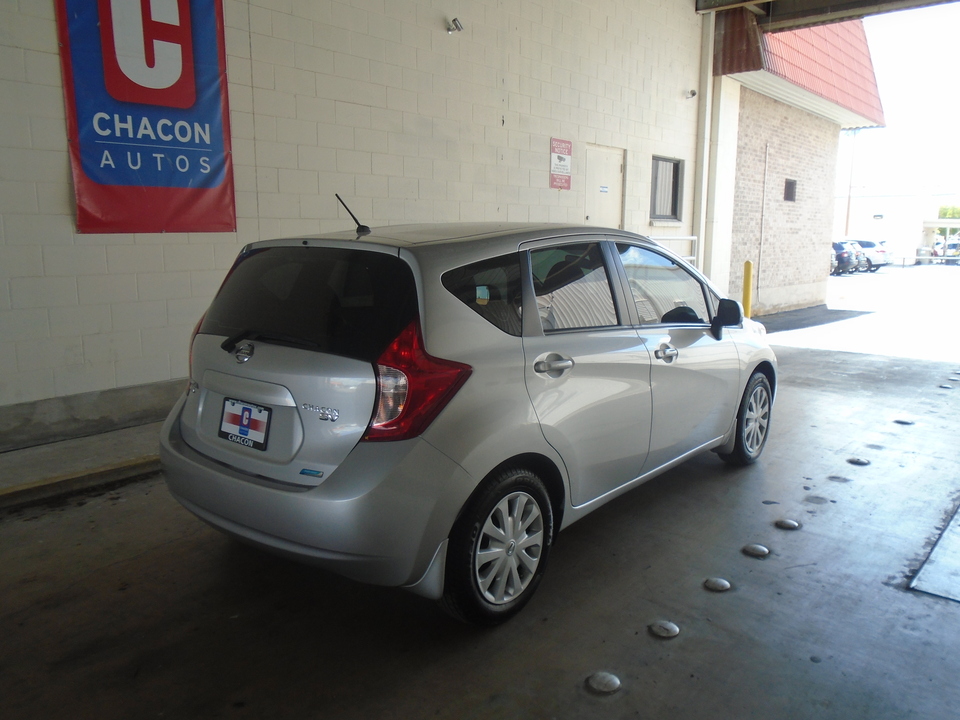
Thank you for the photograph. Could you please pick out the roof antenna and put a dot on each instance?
(361, 229)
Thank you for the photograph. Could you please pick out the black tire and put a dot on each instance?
(753, 422)
(494, 565)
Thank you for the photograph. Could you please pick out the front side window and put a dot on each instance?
(572, 287)
(667, 182)
(663, 291)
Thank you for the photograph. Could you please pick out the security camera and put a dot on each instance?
(691, 94)
(454, 26)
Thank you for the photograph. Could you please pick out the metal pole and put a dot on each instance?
(853, 155)
(763, 208)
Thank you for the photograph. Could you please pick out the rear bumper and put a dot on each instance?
(379, 518)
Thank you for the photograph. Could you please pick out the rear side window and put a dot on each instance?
(491, 288)
(572, 288)
(346, 302)
(663, 291)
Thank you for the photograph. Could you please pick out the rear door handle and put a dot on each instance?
(546, 366)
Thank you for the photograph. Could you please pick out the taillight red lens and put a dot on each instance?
(193, 336)
(412, 387)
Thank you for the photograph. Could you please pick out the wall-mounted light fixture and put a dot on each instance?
(454, 26)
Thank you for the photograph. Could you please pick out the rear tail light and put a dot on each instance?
(412, 387)
(193, 336)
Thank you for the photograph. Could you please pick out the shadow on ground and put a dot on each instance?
(805, 318)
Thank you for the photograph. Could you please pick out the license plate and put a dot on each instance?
(245, 424)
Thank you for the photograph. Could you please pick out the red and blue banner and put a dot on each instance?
(147, 119)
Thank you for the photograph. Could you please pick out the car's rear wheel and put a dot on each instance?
(498, 548)
(753, 421)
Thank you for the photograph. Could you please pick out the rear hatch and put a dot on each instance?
(282, 367)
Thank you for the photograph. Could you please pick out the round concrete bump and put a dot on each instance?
(716, 584)
(603, 683)
(787, 524)
(663, 629)
(756, 550)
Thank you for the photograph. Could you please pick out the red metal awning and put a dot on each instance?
(825, 69)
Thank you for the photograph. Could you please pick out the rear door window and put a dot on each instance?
(572, 287)
(346, 302)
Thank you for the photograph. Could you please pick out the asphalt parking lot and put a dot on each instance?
(120, 604)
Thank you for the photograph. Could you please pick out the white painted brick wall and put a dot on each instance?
(369, 98)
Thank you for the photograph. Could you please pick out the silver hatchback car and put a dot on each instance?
(427, 406)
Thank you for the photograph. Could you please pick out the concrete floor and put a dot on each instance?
(125, 606)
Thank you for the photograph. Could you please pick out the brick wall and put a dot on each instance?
(372, 99)
(788, 242)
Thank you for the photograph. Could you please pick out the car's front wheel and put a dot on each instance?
(753, 421)
(498, 548)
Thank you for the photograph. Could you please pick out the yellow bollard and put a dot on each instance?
(747, 287)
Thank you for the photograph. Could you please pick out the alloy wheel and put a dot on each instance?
(756, 419)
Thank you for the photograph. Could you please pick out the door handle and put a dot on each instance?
(547, 366)
(666, 353)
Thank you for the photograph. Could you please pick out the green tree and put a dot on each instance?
(947, 212)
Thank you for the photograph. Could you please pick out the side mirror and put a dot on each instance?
(729, 312)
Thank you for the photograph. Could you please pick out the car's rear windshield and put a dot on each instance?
(346, 302)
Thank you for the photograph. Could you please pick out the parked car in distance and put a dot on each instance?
(426, 406)
(846, 258)
(951, 252)
(860, 254)
(875, 253)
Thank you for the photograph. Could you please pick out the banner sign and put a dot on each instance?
(147, 120)
(560, 165)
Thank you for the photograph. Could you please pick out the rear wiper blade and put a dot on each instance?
(230, 344)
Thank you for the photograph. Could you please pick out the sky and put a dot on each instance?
(916, 58)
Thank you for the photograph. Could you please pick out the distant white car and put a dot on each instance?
(876, 252)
